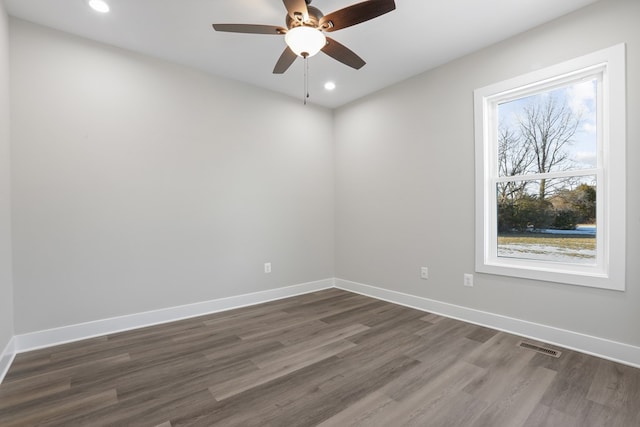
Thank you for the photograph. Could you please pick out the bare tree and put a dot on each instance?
(547, 129)
(514, 158)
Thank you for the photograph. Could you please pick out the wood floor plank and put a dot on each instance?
(29, 389)
(365, 412)
(243, 350)
(423, 405)
(329, 358)
(263, 402)
(433, 363)
(269, 358)
(481, 334)
(544, 416)
(302, 331)
(568, 393)
(53, 411)
(58, 373)
(277, 369)
(597, 415)
(156, 411)
(520, 399)
(312, 410)
(614, 385)
(501, 371)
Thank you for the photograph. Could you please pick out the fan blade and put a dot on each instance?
(285, 61)
(341, 53)
(356, 14)
(250, 29)
(297, 8)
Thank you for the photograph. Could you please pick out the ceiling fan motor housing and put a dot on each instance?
(314, 19)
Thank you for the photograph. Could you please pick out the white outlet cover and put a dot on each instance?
(468, 280)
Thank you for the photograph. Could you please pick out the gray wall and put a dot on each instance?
(6, 286)
(139, 184)
(405, 181)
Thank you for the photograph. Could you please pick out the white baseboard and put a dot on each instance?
(65, 334)
(6, 358)
(600, 347)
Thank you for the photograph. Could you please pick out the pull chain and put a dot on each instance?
(306, 79)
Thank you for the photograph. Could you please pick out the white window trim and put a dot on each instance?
(611, 176)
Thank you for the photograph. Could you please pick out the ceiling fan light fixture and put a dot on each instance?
(305, 41)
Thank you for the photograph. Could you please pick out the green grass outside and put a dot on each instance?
(571, 242)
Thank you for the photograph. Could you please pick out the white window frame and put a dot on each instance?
(608, 65)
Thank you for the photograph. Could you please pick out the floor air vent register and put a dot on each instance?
(543, 350)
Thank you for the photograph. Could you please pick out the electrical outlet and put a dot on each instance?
(267, 267)
(424, 273)
(468, 280)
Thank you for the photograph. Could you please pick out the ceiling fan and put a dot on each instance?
(305, 28)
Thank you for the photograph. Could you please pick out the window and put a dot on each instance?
(550, 173)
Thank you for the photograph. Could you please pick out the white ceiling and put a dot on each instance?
(417, 36)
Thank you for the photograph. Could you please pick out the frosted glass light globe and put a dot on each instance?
(305, 41)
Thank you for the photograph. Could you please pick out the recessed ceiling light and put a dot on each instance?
(99, 6)
(329, 85)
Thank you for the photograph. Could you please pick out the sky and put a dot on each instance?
(581, 99)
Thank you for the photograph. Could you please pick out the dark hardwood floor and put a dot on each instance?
(330, 358)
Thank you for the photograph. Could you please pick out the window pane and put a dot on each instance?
(548, 219)
(550, 131)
